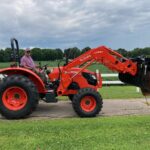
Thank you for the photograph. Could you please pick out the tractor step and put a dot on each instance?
(50, 97)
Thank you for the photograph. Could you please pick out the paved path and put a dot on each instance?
(63, 109)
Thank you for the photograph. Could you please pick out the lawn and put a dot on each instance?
(120, 92)
(93, 67)
(4, 64)
(106, 133)
(50, 63)
(116, 92)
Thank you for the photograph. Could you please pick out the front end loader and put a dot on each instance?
(141, 78)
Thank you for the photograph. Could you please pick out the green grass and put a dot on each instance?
(106, 133)
(119, 92)
(116, 92)
(101, 68)
(93, 67)
(4, 65)
(50, 63)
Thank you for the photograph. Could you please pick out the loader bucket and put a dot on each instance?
(142, 77)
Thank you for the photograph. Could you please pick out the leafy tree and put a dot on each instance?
(85, 50)
(2, 55)
(7, 55)
(39, 54)
(72, 53)
(122, 52)
(59, 53)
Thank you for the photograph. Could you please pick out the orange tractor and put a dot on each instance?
(21, 88)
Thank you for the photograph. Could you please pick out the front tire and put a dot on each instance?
(71, 97)
(87, 102)
(18, 97)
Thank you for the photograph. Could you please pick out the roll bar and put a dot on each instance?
(15, 50)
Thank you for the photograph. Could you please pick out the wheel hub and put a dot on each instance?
(14, 98)
(88, 103)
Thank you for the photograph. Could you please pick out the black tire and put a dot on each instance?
(87, 92)
(30, 91)
(71, 97)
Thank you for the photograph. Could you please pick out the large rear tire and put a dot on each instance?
(18, 97)
(87, 102)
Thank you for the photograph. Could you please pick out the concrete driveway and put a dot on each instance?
(63, 109)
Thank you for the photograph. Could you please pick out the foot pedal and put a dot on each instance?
(50, 97)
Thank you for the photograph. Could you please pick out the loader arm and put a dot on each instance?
(103, 55)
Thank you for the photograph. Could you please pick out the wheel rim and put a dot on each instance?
(88, 103)
(14, 98)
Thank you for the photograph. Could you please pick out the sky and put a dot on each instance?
(75, 23)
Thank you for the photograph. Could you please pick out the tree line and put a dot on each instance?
(39, 54)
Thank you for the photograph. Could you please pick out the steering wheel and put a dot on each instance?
(44, 67)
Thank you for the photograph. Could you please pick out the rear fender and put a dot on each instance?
(28, 73)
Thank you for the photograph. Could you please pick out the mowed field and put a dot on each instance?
(106, 133)
(93, 67)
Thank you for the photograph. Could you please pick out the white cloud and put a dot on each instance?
(63, 23)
